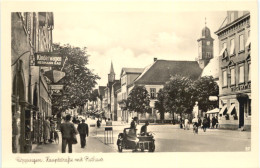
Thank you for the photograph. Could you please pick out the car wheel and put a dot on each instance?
(152, 147)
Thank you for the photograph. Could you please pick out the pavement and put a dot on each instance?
(168, 138)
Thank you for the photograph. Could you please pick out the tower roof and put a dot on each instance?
(112, 69)
(206, 32)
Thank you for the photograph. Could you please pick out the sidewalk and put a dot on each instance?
(94, 145)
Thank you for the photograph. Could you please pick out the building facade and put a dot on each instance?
(156, 75)
(235, 71)
(127, 77)
(31, 102)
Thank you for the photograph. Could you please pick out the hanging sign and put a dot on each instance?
(48, 59)
(56, 89)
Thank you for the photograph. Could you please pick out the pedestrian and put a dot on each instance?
(109, 122)
(199, 122)
(208, 122)
(216, 121)
(204, 124)
(83, 132)
(67, 130)
(46, 128)
(186, 124)
(195, 125)
(213, 122)
(98, 123)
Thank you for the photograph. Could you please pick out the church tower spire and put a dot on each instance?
(111, 75)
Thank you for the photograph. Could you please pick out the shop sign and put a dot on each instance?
(56, 89)
(48, 59)
(241, 87)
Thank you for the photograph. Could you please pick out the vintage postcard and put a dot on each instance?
(129, 84)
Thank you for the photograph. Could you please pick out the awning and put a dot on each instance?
(216, 110)
(248, 42)
(231, 109)
(222, 51)
(223, 109)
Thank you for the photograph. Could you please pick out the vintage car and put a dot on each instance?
(129, 140)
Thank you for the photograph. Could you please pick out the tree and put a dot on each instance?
(78, 82)
(202, 89)
(138, 100)
(159, 104)
(178, 95)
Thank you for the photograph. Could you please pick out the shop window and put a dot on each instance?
(153, 93)
(224, 78)
(241, 43)
(232, 76)
(241, 74)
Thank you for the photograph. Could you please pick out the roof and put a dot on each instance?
(116, 86)
(212, 68)
(132, 70)
(101, 90)
(161, 70)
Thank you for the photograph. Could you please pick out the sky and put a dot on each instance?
(134, 38)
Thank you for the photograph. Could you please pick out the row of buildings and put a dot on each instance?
(231, 70)
(31, 33)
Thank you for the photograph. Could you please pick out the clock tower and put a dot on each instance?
(205, 47)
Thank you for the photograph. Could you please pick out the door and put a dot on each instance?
(241, 113)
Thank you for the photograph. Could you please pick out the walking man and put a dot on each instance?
(67, 130)
(83, 132)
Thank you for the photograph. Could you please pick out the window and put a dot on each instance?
(241, 43)
(153, 93)
(249, 72)
(224, 80)
(241, 74)
(208, 42)
(233, 77)
(232, 46)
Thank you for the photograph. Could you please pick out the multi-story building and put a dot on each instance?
(156, 75)
(127, 77)
(115, 87)
(101, 94)
(235, 71)
(31, 101)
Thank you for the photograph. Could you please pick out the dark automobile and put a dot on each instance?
(128, 140)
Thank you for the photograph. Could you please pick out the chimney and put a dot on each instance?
(154, 59)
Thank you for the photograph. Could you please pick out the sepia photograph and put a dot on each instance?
(88, 85)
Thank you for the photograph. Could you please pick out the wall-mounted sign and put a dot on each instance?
(241, 87)
(48, 59)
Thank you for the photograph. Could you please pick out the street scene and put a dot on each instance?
(168, 138)
(123, 82)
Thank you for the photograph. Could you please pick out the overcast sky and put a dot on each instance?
(133, 39)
